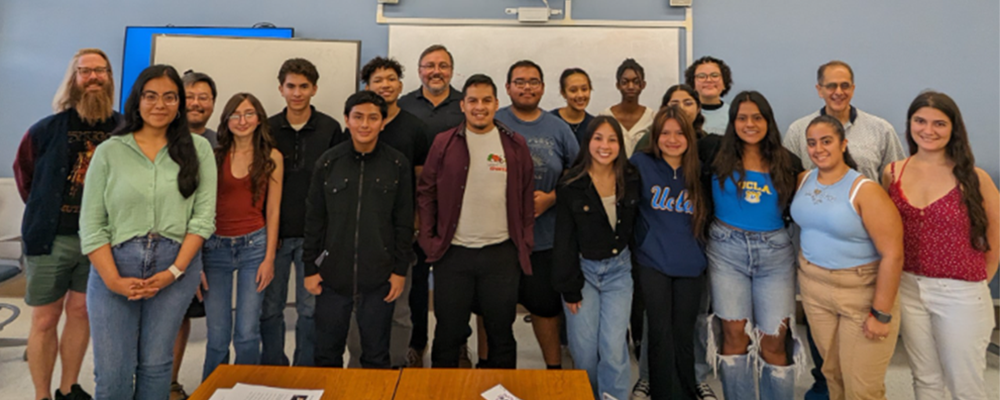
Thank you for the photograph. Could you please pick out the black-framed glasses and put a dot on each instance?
(520, 83)
(86, 71)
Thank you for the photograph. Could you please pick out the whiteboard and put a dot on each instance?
(598, 50)
(251, 65)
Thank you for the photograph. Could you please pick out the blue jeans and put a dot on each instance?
(223, 255)
(272, 317)
(598, 332)
(135, 339)
(753, 279)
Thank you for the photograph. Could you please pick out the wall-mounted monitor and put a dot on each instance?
(139, 39)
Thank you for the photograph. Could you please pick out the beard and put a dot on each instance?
(93, 107)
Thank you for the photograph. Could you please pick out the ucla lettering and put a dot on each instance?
(662, 201)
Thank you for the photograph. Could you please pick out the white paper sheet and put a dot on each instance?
(499, 392)
(244, 391)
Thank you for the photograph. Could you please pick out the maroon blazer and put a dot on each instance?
(442, 187)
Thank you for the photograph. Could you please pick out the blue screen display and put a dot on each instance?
(139, 43)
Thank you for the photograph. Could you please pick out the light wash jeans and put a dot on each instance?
(134, 340)
(223, 256)
(946, 326)
(597, 333)
(753, 279)
(272, 317)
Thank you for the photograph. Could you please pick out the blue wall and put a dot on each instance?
(897, 47)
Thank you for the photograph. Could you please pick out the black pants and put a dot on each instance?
(419, 297)
(672, 306)
(333, 318)
(638, 309)
(489, 277)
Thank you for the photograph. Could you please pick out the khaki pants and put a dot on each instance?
(837, 302)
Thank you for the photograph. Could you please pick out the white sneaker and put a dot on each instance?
(641, 390)
(705, 392)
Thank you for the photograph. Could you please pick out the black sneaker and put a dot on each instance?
(705, 392)
(75, 393)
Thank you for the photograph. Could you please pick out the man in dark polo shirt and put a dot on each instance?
(302, 135)
(437, 103)
(407, 134)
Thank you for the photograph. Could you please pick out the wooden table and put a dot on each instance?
(469, 384)
(336, 383)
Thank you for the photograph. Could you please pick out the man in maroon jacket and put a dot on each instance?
(473, 173)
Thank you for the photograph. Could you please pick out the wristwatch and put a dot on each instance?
(176, 271)
(881, 316)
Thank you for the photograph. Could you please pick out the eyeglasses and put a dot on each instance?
(520, 83)
(86, 71)
(832, 86)
(704, 77)
(249, 116)
(169, 98)
(202, 97)
(442, 66)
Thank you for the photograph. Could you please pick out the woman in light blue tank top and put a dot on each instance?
(750, 255)
(850, 265)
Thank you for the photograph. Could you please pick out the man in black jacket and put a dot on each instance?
(358, 235)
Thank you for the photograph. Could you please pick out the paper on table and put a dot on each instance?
(243, 391)
(499, 392)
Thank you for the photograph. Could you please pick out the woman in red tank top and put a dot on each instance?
(246, 236)
(950, 212)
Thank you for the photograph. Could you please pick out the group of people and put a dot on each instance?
(676, 222)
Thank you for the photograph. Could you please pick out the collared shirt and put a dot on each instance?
(872, 141)
(439, 118)
(301, 148)
(127, 195)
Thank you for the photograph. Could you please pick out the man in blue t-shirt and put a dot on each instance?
(553, 150)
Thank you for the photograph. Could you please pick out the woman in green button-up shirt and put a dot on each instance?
(148, 206)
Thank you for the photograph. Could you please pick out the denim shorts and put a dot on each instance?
(753, 276)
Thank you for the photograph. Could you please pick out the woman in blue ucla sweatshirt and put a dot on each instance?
(669, 250)
(592, 265)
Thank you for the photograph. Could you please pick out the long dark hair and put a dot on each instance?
(690, 163)
(958, 151)
(180, 145)
(262, 165)
(838, 128)
(779, 161)
(584, 160)
(699, 120)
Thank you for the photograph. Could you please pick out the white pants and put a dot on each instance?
(946, 327)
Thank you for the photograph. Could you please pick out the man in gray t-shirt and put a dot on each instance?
(872, 141)
(553, 149)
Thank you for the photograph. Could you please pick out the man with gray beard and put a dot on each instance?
(53, 159)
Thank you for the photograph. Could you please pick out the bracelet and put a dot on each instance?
(176, 271)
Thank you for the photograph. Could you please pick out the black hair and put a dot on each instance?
(378, 63)
(838, 128)
(630, 64)
(699, 120)
(581, 166)
(524, 63)
(568, 72)
(366, 97)
(728, 164)
(478, 79)
(191, 78)
(180, 145)
(299, 66)
(727, 74)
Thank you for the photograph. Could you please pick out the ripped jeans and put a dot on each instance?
(753, 279)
